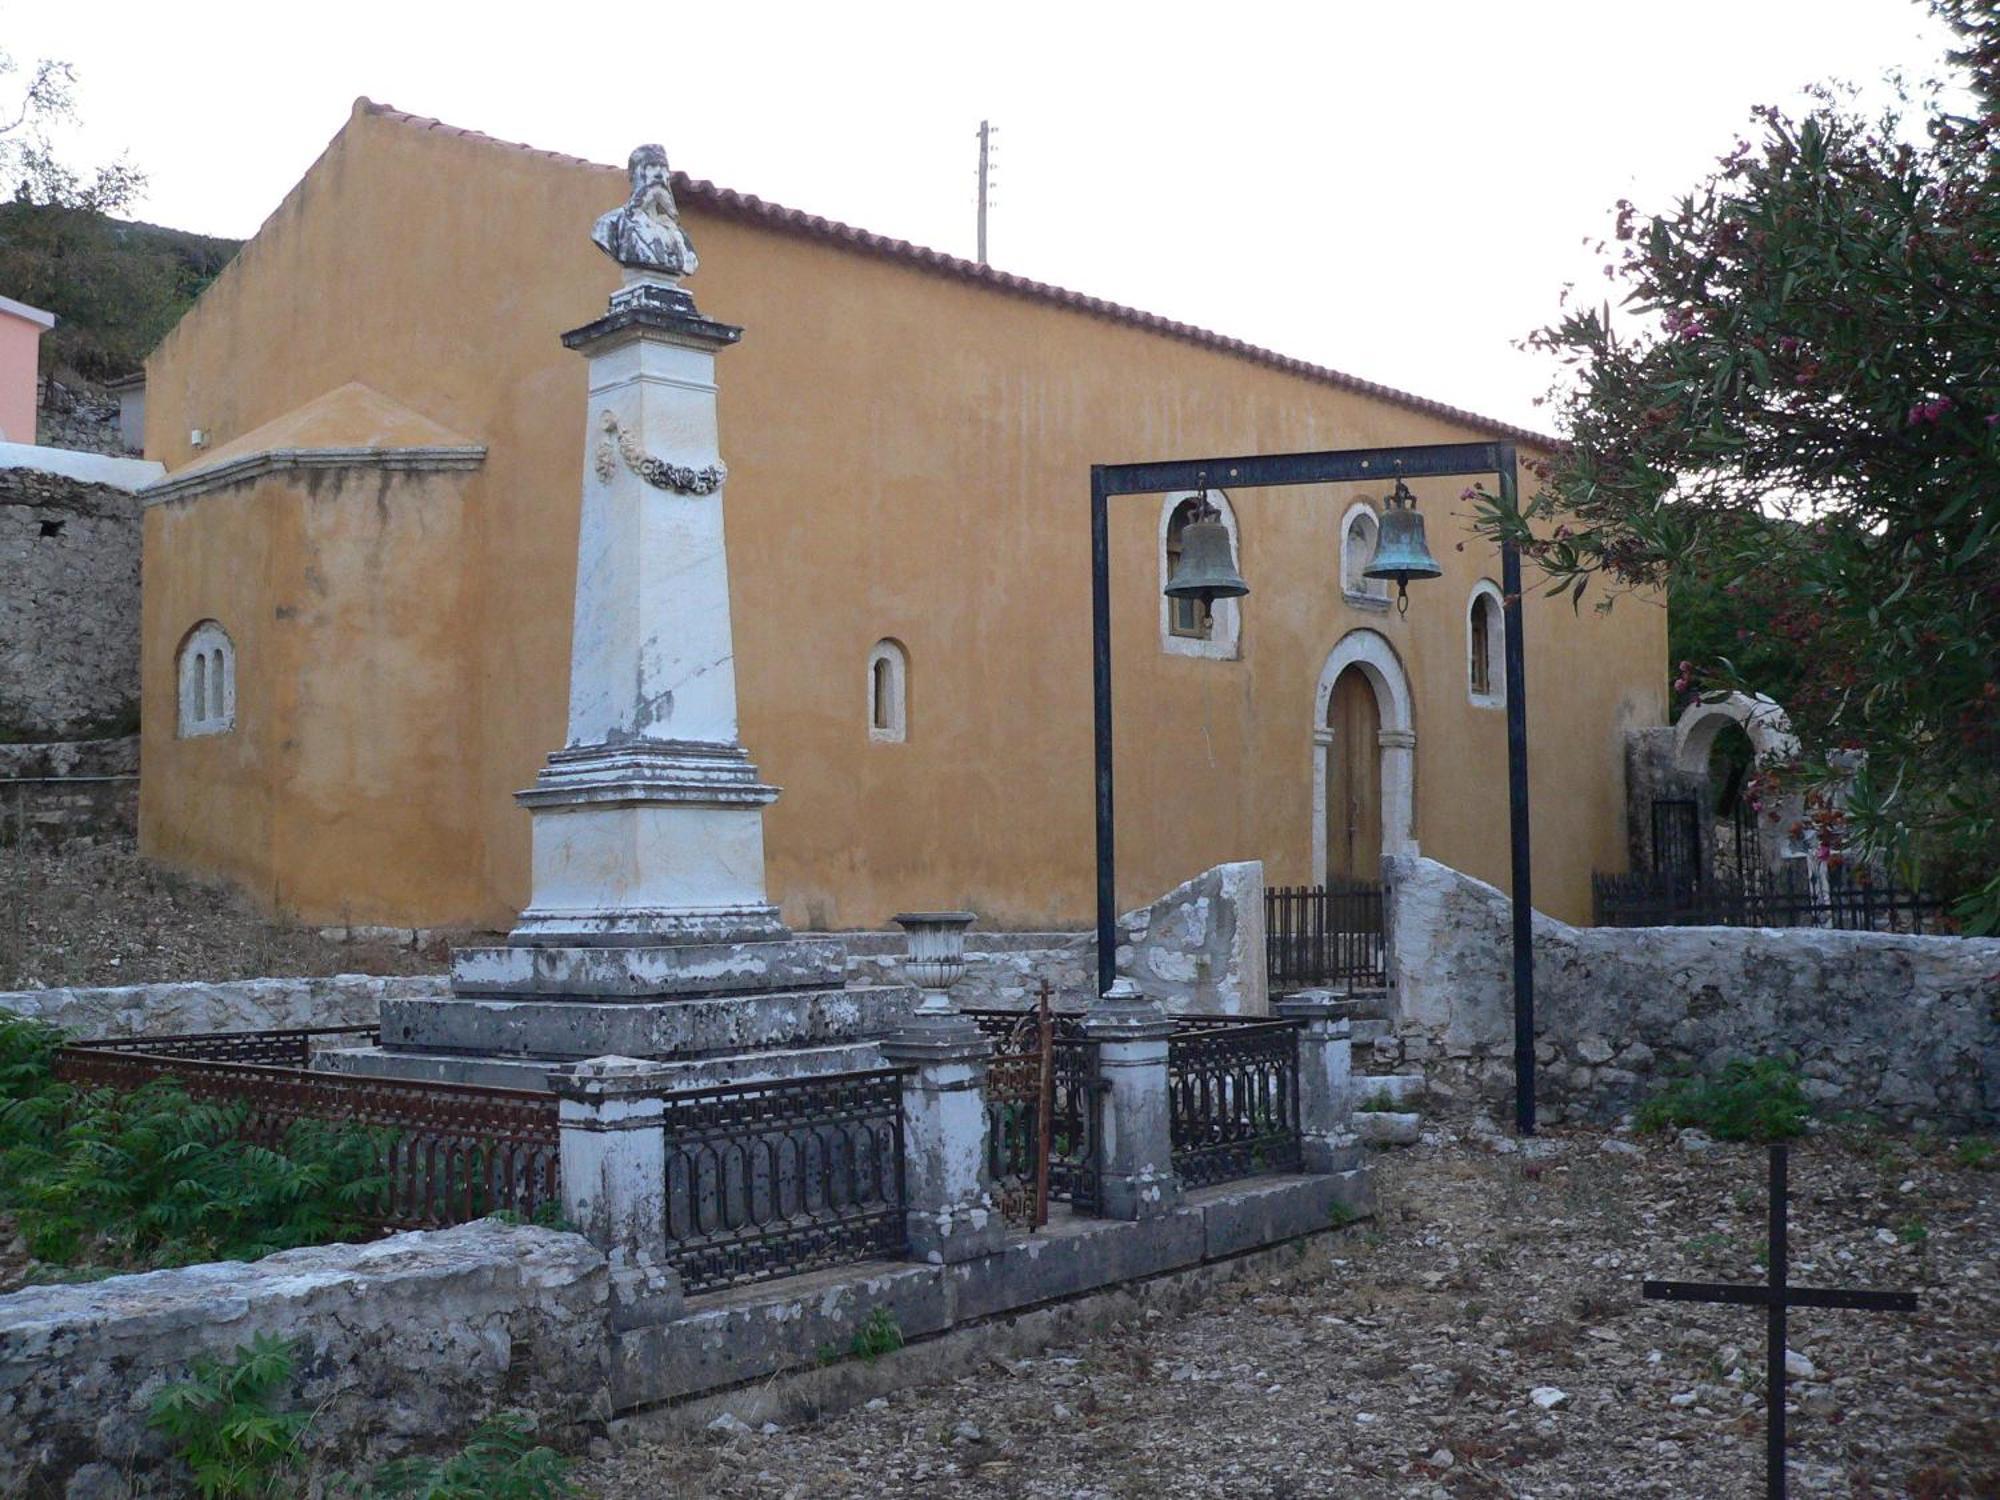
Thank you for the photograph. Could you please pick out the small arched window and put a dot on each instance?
(1485, 634)
(1184, 629)
(888, 692)
(206, 676)
(1358, 530)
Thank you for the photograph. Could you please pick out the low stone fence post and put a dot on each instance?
(1326, 1096)
(614, 1180)
(946, 1188)
(1135, 1123)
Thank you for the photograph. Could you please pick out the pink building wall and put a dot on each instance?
(21, 329)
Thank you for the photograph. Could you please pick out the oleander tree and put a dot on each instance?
(1793, 427)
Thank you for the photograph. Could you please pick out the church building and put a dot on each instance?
(360, 567)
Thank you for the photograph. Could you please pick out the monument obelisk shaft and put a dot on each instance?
(648, 824)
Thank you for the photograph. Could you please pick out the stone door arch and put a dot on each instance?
(1369, 654)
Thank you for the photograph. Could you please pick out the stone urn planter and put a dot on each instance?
(936, 959)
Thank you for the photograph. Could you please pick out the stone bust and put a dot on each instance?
(645, 232)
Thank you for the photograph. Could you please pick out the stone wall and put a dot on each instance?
(69, 605)
(406, 1343)
(234, 1005)
(69, 790)
(1904, 1028)
(1199, 950)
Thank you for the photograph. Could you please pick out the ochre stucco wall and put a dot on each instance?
(909, 457)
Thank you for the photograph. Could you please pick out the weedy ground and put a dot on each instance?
(1397, 1357)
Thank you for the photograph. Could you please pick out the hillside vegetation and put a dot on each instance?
(115, 286)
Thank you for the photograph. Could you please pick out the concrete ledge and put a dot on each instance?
(1072, 1256)
(732, 1337)
(1250, 1215)
(808, 1392)
(736, 1338)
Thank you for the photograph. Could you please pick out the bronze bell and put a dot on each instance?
(1206, 569)
(1401, 553)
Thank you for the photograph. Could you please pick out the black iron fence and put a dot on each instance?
(1790, 899)
(771, 1179)
(450, 1153)
(1233, 1096)
(1325, 935)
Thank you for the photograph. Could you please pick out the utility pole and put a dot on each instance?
(986, 134)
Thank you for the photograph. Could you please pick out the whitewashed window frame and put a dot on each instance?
(205, 681)
(1496, 646)
(1361, 593)
(1224, 641)
(894, 726)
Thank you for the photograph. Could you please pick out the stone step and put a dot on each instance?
(700, 1026)
(532, 1073)
(637, 972)
(1403, 1090)
(1384, 1128)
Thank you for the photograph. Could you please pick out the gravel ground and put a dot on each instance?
(99, 914)
(1401, 1357)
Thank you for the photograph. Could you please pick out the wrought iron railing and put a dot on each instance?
(1791, 899)
(1233, 1098)
(1020, 1109)
(1325, 935)
(450, 1153)
(1073, 1114)
(771, 1179)
(275, 1049)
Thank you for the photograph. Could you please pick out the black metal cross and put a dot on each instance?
(1775, 1299)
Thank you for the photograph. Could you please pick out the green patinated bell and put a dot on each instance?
(1206, 569)
(1401, 553)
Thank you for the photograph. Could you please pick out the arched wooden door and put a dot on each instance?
(1353, 780)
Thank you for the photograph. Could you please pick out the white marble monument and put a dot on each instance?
(648, 933)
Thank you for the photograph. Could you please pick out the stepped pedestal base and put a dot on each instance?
(533, 1073)
(718, 1012)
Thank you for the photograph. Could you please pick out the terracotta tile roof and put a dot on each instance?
(749, 207)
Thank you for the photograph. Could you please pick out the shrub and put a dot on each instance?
(500, 1462)
(880, 1334)
(1759, 1100)
(1974, 1154)
(224, 1424)
(153, 1177)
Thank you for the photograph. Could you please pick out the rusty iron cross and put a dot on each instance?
(1776, 1298)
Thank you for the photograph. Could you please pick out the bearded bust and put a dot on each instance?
(645, 232)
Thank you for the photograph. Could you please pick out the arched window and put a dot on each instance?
(1485, 634)
(1184, 629)
(206, 674)
(888, 692)
(1358, 530)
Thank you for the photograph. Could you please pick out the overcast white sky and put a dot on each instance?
(1395, 190)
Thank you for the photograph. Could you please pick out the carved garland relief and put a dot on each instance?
(661, 475)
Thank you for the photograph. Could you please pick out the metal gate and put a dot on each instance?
(1020, 1109)
(1677, 837)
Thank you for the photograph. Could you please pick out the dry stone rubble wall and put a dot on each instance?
(399, 1344)
(1899, 1027)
